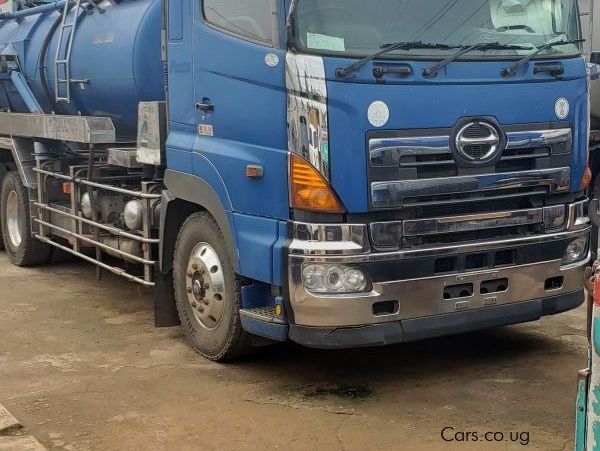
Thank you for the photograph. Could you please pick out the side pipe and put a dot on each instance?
(58, 6)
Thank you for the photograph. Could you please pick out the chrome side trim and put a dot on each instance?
(538, 138)
(394, 193)
(577, 216)
(389, 234)
(448, 250)
(329, 239)
(387, 152)
(468, 223)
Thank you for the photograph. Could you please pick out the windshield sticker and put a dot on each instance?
(324, 42)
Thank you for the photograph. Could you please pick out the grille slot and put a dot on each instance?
(477, 151)
(477, 131)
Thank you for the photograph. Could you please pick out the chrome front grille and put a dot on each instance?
(419, 167)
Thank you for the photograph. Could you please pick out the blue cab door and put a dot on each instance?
(240, 97)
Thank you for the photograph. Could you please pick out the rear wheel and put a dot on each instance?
(22, 248)
(207, 291)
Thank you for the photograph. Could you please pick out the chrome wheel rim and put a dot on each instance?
(12, 219)
(205, 285)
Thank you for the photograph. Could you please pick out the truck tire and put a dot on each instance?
(208, 291)
(22, 248)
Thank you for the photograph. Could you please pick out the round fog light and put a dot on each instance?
(133, 215)
(355, 280)
(576, 251)
(335, 279)
(314, 277)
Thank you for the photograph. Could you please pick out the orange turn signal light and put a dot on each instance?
(587, 178)
(309, 190)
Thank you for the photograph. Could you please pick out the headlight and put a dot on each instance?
(333, 279)
(576, 251)
(133, 215)
(86, 205)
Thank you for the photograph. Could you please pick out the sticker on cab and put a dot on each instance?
(562, 108)
(378, 114)
(271, 60)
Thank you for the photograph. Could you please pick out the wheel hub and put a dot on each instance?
(205, 285)
(12, 218)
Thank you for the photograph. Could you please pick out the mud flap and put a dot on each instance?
(165, 310)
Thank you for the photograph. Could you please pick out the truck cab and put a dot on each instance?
(331, 174)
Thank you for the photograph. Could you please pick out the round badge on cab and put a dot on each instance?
(378, 114)
(562, 108)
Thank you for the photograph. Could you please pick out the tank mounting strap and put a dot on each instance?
(81, 129)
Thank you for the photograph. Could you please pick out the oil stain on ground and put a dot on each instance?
(344, 391)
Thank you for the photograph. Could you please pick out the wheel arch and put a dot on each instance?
(186, 194)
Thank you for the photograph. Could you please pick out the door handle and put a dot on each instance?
(206, 105)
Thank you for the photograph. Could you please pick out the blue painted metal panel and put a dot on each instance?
(175, 25)
(249, 118)
(466, 89)
(276, 332)
(180, 68)
(255, 239)
(279, 255)
(266, 196)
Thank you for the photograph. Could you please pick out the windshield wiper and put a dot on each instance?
(512, 70)
(435, 69)
(386, 48)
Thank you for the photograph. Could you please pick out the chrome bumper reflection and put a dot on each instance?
(424, 297)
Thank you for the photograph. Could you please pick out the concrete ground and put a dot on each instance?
(82, 367)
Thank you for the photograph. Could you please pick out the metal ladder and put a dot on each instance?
(68, 25)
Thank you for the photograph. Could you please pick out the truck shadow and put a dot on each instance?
(502, 353)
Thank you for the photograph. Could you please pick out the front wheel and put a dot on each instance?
(22, 247)
(207, 291)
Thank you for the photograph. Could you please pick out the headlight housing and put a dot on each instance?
(334, 279)
(133, 215)
(577, 251)
(86, 205)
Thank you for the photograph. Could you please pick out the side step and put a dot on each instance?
(264, 322)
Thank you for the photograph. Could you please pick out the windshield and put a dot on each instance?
(358, 28)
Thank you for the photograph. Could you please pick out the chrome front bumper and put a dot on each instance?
(423, 296)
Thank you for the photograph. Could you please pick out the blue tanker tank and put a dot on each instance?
(115, 61)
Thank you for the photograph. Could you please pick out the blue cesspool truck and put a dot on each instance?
(331, 172)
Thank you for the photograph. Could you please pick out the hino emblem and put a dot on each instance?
(478, 142)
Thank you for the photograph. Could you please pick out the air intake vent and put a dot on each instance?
(477, 151)
(477, 131)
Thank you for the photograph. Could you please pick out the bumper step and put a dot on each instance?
(265, 314)
(264, 322)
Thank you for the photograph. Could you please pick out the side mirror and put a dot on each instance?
(595, 58)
